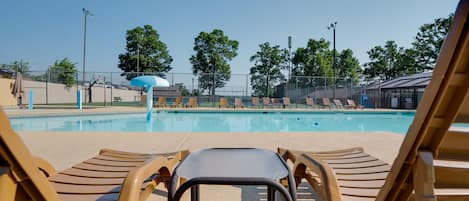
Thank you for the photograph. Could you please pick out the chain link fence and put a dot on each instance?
(99, 89)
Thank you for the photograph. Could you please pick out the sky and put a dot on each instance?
(41, 32)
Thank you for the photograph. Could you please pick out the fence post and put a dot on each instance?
(325, 86)
(112, 98)
(379, 93)
(85, 94)
(247, 84)
(47, 85)
(30, 102)
(79, 101)
(104, 86)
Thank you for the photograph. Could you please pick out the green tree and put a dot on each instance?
(313, 60)
(268, 63)
(382, 60)
(183, 89)
(390, 61)
(145, 50)
(19, 66)
(64, 71)
(429, 40)
(348, 68)
(210, 61)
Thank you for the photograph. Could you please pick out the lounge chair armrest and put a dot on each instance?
(45, 167)
(131, 189)
(288, 154)
(328, 182)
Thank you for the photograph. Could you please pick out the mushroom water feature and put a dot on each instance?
(149, 82)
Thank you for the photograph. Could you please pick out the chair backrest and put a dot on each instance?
(286, 100)
(326, 102)
(238, 102)
(192, 102)
(338, 102)
(351, 103)
(161, 100)
(309, 101)
(223, 102)
(266, 101)
(255, 100)
(445, 101)
(178, 100)
(15, 156)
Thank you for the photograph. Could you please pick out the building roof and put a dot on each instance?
(410, 81)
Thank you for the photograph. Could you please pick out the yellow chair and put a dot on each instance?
(111, 175)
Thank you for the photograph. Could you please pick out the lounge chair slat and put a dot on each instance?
(359, 192)
(354, 198)
(85, 166)
(351, 160)
(376, 184)
(341, 152)
(347, 156)
(452, 193)
(455, 146)
(110, 158)
(362, 177)
(112, 151)
(86, 189)
(122, 153)
(451, 174)
(112, 163)
(125, 156)
(94, 174)
(89, 197)
(91, 189)
(368, 170)
(68, 179)
(368, 164)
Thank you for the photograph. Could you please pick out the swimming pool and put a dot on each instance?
(223, 122)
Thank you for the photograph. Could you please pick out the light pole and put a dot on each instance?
(85, 14)
(290, 64)
(138, 59)
(289, 67)
(332, 26)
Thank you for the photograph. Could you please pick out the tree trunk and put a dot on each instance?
(90, 100)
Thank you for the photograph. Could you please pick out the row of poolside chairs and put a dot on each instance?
(255, 102)
(337, 104)
(432, 163)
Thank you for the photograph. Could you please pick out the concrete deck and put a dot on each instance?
(64, 149)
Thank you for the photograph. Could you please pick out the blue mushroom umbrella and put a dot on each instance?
(149, 82)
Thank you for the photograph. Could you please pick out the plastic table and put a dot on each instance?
(232, 166)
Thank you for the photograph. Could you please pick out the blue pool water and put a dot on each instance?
(222, 122)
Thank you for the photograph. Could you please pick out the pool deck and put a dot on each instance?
(64, 149)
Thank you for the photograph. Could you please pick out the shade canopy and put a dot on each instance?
(149, 81)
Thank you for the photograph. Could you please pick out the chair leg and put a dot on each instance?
(424, 177)
(9, 187)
